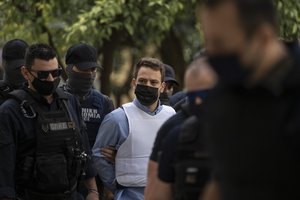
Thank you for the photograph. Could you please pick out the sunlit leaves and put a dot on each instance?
(289, 18)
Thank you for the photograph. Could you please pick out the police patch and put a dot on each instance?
(58, 126)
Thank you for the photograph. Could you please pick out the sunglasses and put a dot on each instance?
(44, 74)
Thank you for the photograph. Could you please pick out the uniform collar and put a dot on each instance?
(146, 109)
(38, 97)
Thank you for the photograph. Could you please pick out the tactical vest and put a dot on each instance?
(192, 165)
(59, 159)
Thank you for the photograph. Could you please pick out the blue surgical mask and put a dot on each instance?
(199, 93)
(196, 109)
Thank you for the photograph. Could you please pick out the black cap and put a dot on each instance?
(14, 51)
(83, 56)
(170, 75)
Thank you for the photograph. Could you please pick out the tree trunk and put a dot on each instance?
(172, 54)
(108, 49)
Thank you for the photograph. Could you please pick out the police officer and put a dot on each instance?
(183, 164)
(253, 116)
(81, 60)
(170, 82)
(12, 59)
(43, 146)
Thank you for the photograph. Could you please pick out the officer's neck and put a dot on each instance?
(49, 98)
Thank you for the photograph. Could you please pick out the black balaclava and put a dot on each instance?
(80, 83)
(13, 75)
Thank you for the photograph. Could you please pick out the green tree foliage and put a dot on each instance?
(106, 24)
(145, 20)
(112, 25)
(289, 18)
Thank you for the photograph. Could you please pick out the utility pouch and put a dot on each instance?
(51, 174)
(191, 176)
(27, 169)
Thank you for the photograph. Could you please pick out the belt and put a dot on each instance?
(121, 187)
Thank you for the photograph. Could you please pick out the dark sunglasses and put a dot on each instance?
(44, 74)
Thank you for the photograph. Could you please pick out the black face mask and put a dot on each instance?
(164, 98)
(229, 69)
(80, 83)
(13, 75)
(146, 95)
(45, 88)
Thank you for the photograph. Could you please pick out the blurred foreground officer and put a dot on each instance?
(43, 146)
(12, 60)
(131, 130)
(81, 60)
(184, 163)
(254, 113)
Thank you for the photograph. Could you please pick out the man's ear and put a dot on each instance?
(163, 85)
(133, 83)
(25, 72)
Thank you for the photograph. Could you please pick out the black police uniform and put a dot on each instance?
(254, 134)
(94, 107)
(33, 163)
(184, 161)
(164, 130)
(166, 169)
(178, 99)
(12, 59)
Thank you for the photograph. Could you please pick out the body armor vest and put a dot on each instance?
(59, 158)
(192, 165)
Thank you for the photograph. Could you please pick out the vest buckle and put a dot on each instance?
(27, 110)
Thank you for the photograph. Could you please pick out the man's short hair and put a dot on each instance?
(152, 63)
(252, 13)
(38, 51)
